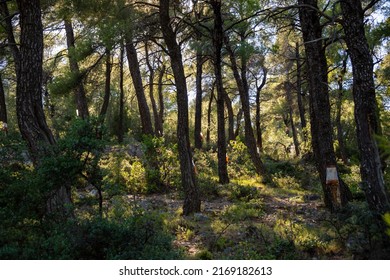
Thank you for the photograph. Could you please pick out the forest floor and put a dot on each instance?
(270, 224)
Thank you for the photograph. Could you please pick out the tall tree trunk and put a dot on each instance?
(243, 90)
(339, 102)
(301, 106)
(192, 199)
(132, 58)
(121, 130)
(238, 123)
(3, 108)
(212, 96)
(321, 130)
(366, 109)
(157, 119)
(161, 97)
(107, 88)
(288, 88)
(198, 101)
(259, 137)
(81, 99)
(229, 107)
(31, 118)
(217, 45)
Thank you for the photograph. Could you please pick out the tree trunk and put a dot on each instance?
(217, 46)
(339, 127)
(121, 131)
(301, 106)
(209, 115)
(31, 118)
(3, 108)
(288, 88)
(107, 88)
(198, 101)
(259, 137)
(243, 90)
(366, 109)
(321, 130)
(229, 107)
(147, 127)
(192, 200)
(161, 97)
(238, 123)
(81, 99)
(157, 119)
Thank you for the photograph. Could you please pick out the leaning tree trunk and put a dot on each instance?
(132, 58)
(366, 109)
(217, 45)
(192, 200)
(81, 99)
(321, 129)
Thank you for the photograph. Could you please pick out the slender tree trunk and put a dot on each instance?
(321, 130)
(217, 45)
(198, 101)
(209, 115)
(3, 108)
(301, 106)
(121, 131)
(238, 123)
(157, 119)
(340, 131)
(259, 138)
(229, 107)
(81, 99)
(288, 88)
(242, 85)
(161, 97)
(366, 109)
(192, 199)
(132, 58)
(107, 87)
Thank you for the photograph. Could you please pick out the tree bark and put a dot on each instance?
(147, 127)
(198, 101)
(81, 99)
(192, 199)
(321, 130)
(366, 109)
(217, 46)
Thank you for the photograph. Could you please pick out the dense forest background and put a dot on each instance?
(194, 129)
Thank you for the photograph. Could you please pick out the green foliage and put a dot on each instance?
(239, 163)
